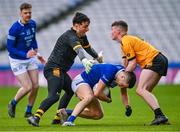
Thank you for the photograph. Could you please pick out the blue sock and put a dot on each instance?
(14, 102)
(28, 109)
(69, 112)
(71, 118)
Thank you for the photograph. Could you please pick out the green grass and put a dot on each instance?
(114, 118)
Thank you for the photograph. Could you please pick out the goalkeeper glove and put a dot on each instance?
(100, 58)
(87, 64)
(128, 111)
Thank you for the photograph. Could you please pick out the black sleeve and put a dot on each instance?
(73, 41)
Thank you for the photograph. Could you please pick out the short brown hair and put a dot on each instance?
(25, 6)
(120, 23)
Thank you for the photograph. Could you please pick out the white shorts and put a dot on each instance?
(21, 66)
(77, 81)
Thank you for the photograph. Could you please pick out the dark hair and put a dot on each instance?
(131, 80)
(25, 6)
(120, 23)
(79, 18)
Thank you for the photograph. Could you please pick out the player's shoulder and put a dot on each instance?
(127, 37)
(113, 67)
(70, 33)
(129, 40)
(106, 66)
(32, 22)
(15, 26)
(132, 37)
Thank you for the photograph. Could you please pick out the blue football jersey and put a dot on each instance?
(105, 72)
(21, 39)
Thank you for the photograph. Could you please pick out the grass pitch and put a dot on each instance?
(114, 118)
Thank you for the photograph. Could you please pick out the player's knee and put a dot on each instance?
(141, 90)
(53, 98)
(28, 87)
(88, 98)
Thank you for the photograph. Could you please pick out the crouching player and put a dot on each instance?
(102, 75)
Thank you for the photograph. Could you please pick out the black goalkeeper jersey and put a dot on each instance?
(63, 54)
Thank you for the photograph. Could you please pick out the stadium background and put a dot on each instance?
(157, 21)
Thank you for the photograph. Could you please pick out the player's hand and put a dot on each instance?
(41, 59)
(100, 58)
(31, 53)
(87, 64)
(128, 111)
(109, 100)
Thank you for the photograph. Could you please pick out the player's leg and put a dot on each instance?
(55, 81)
(61, 114)
(148, 79)
(26, 86)
(85, 94)
(93, 110)
(33, 74)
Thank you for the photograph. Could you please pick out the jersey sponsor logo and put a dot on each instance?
(29, 37)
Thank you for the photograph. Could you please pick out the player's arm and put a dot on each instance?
(124, 96)
(87, 64)
(124, 61)
(124, 58)
(98, 93)
(39, 56)
(34, 43)
(131, 65)
(11, 42)
(94, 54)
(125, 100)
(87, 47)
(129, 56)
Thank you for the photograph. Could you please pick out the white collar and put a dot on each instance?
(118, 72)
(19, 21)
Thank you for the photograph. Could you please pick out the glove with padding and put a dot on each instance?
(128, 111)
(87, 64)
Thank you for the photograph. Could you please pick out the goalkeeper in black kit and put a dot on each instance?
(69, 45)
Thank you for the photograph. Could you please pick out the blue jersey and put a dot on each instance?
(21, 39)
(105, 72)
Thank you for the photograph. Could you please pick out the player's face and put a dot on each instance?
(121, 80)
(82, 28)
(115, 32)
(26, 15)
